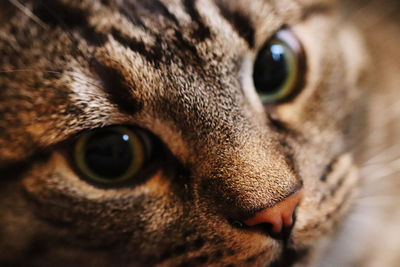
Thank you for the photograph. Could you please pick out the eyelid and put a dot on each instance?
(306, 13)
(286, 35)
(282, 27)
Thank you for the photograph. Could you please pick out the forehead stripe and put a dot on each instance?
(116, 88)
(240, 23)
(202, 32)
(152, 54)
(133, 10)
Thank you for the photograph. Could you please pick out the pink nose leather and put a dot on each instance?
(279, 215)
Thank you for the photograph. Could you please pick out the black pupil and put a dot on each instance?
(108, 154)
(270, 69)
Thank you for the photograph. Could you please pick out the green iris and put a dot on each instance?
(277, 67)
(110, 155)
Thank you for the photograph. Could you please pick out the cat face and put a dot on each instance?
(180, 75)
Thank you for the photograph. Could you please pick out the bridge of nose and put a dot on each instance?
(249, 178)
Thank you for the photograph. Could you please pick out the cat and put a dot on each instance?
(194, 132)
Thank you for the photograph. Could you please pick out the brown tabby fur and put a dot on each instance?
(181, 69)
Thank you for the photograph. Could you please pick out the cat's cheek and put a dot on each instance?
(325, 204)
(95, 216)
(356, 60)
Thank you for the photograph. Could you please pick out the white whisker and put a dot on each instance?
(30, 70)
(392, 152)
(378, 198)
(79, 77)
(28, 13)
(380, 173)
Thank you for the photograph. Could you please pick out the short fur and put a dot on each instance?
(180, 69)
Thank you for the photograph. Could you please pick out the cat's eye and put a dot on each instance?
(279, 67)
(111, 155)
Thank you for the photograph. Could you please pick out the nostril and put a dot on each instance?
(282, 235)
(237, 224)
(279, 217)
(268, 229)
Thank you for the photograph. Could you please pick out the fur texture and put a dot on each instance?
(182, 71)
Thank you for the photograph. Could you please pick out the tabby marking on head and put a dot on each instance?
(200, 147)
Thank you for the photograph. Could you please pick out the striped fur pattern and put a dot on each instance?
(181, 70)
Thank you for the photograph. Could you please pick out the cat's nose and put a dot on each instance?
(280, 215)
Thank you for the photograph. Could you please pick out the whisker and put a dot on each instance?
(30, 70)
(36, 19)
(386, 154)
(78, 77)
(71, 37)
(377, 202)
(378, 197)
(380, 173)
(394, 163)
(28, 13)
